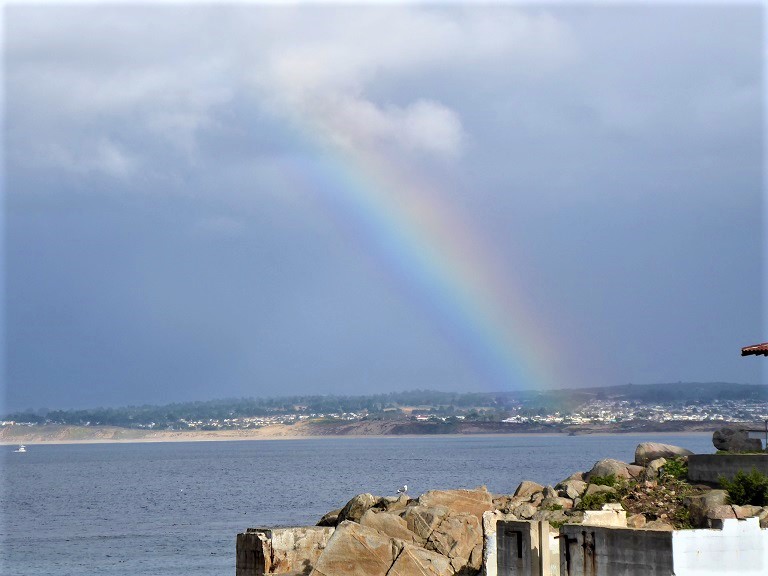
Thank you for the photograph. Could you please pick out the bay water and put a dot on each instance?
(174, 509)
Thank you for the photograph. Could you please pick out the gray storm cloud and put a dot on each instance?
(173, 222)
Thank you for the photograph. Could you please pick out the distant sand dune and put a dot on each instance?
(60, 434)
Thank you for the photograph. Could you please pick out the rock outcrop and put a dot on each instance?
(356, 550)
(439, 533)
(475, 502)
(356, 507)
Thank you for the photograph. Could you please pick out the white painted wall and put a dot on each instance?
(554, 555)
(741, 547)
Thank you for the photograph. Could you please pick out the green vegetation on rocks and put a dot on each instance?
(747, 488)
(676, 468)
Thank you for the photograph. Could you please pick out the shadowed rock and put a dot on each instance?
(356, 507)
(528, 489)
(702, 507)
(731, 439)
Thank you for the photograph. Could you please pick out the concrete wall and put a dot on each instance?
(710, 467)
(262, 551)
(525, 548)
(593, 550)
(741, 547)
(517, 548)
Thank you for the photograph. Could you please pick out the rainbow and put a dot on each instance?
(432, 248)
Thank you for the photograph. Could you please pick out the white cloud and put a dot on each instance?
(431, 126)
(423, 126)
(324, 77)
(164, 74)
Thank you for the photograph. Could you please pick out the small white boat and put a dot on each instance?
(21, 448)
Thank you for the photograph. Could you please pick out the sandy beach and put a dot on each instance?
(31, 435)
(60, 434)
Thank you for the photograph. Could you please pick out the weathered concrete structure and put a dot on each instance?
(593, 550)
(738, 547)
(709, 468)
(280, 550)
(525, 549)
(611, 515)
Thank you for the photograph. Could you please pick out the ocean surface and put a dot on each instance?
(174, 508)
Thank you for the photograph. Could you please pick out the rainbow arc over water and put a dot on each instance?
(440, 258)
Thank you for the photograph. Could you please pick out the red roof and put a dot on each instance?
(756, 350)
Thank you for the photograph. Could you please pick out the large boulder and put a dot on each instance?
(647, 451)
(702, 507)
(572, 488)
(330, 519)
(475, 502)
(356, 550)
(528, 489)
(390, 524)
(355, 508)
(459, 537)
(422, 520)
(525, 511)
(609, 466)
(732, 439)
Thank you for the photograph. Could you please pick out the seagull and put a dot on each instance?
(403, 489)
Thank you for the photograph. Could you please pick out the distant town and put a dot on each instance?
(679, 406)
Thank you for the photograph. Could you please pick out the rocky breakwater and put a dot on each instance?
(452, 532)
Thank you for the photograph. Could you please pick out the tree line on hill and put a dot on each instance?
(476, 406)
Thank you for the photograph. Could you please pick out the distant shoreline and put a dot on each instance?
(59, 434)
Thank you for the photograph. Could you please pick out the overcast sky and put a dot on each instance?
(251, 200)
